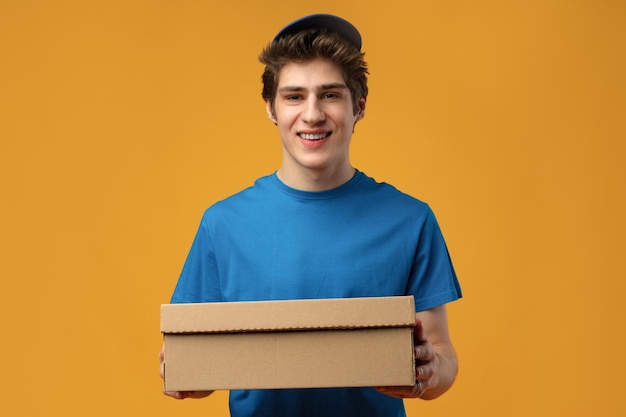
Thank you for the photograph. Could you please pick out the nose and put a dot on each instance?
(313, 112)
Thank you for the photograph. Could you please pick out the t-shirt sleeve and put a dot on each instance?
(433, 280)
(199, 279)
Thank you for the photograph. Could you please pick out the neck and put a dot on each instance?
(312, 180)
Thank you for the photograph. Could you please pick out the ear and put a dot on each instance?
(270, 112)
(361, 113)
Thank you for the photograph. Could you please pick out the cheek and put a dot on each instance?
(286, 117)
(346, 120)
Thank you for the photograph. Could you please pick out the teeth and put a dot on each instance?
(313, 136)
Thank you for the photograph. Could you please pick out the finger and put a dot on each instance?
(420, 387)
(396, 392)
(162, 362)
(424, 372)
(179, 395)
(424, 353)
(418, 332)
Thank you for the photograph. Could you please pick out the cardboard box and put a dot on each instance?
(345, 342)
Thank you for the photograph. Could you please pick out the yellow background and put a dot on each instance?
(121, 121)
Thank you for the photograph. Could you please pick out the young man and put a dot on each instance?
(319, 228)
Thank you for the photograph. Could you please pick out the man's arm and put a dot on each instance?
(180, 395)
(435, 359)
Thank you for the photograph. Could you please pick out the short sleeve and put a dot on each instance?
(433, 280)
(199, 279)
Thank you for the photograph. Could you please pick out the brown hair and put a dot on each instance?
(310, 44)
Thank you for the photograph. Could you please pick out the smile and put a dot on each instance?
(314, 136)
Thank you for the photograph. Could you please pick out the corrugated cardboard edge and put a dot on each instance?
(329, 313)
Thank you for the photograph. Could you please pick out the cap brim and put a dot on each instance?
(328, 21)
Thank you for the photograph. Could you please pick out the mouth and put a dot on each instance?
(314, 136)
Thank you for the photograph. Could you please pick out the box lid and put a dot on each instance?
(285, 315)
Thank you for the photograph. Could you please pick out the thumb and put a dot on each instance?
(418, 332)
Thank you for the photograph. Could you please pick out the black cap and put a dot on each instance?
(331, 22)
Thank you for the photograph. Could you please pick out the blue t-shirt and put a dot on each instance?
(273, 242)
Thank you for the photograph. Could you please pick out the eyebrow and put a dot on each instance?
(332, 86)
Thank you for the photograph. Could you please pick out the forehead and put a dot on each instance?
(310, 74)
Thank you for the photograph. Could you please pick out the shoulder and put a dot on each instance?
(242, 201)
(387, 194)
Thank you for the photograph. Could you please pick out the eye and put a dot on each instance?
(331, 95)
(293, 97)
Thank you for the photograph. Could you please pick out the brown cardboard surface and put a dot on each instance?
(330, 313)
(289, 344)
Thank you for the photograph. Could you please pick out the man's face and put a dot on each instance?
(315, 116)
